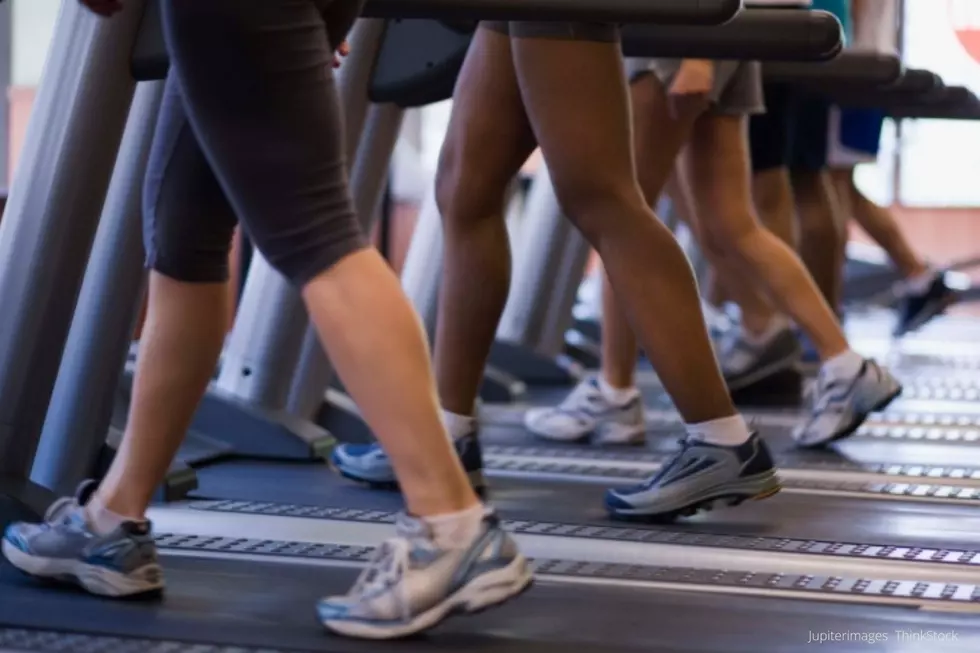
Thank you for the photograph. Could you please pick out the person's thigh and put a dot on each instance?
(488, 137)
(576, 97)
(720, 174)
(257, 82)
(187, 220)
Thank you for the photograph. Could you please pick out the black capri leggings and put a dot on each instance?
(251, 130)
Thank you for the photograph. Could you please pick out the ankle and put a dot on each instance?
(617, 393)
(728, 431)
(844, 365)
(458, 425)
(457, 529)
(104, 516)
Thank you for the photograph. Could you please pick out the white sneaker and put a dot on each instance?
(586, 412)
(841, 406)
(412, 585)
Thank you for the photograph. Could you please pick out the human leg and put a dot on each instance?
(301, 219)
(594, 178)
(719, 162)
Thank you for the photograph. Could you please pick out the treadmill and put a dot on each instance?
(263, 540)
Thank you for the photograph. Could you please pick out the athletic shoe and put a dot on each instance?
(917, 309)
(412, 585)
(368, 463)
(587, 413)
(64, 548)
(744, 363)
(840, 406)
(699, 477)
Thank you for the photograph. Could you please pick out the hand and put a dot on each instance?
(103, 7)
(691, 86)
(342, 52)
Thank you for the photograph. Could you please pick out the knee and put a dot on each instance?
(596, 206)
(466, 197)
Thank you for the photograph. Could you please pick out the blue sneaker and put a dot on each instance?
(64, 548)
(699, 476)
(412, 585)
(916, 309)
(368, 463)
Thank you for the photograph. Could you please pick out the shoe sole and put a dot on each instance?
(786, 364)
(724, 497)
(476, 479)
(929, 313)
(92, 578)
(855, 423)
(486, 591)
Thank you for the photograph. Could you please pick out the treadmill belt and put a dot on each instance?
(787, 515)
(236, 603)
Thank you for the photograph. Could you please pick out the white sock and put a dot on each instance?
(616, 396)
(456, 530)
(843, 366)
(920, 283)
(725, 431)
(776, 325)
(458, 425)
(102, 520)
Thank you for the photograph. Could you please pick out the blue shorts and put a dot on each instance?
(854, 136)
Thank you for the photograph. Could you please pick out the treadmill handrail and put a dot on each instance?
(150, 60)
(850, 67)
(755, 34)
(701, 12)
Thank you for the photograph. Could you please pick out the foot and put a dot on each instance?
(64, 548)
(700, 476)
(916, 309)
(587, 413)
(841, 406)
(744, 363)
(412, 584)
(368, 463)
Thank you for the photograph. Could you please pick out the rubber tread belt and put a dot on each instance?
(683, 576)
(795, 461)
(889, 426)
(623, 534)
(19, 639)
(936, 492)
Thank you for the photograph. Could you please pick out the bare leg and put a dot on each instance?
(721, 178)
(655, 157)
(182, 338)
(879, 223)
(487, 141)
(821, 235)
(595, 180)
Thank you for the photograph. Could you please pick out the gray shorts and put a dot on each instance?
(737, 89)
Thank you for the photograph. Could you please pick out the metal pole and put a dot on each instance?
(422, 271)
(537, 264)
(265, 344)
(82, 402)
(368, 180)
(6, 62)
(53, 212)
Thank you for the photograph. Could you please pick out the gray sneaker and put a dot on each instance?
(745, 364)
(586, 413)
(840, 406)
(64, 548)
(412, 585)
(697, 478)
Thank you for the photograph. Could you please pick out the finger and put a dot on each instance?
(344, 49)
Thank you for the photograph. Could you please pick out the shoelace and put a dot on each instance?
(384, 573)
